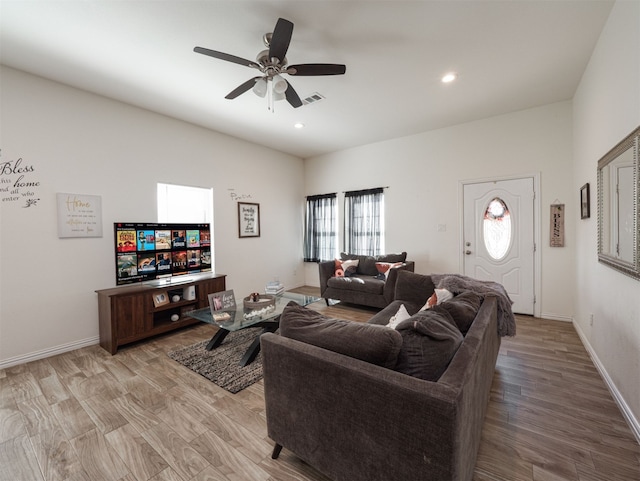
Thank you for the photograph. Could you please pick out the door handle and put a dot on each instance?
(467, 252)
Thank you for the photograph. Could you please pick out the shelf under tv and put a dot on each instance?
(127, 313)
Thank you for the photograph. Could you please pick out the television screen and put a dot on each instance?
(146, 251)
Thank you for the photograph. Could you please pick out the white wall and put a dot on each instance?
(424, 171)
(607, 109)
(81, 143)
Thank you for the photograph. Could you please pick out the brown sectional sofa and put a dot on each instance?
(354, 418)
(362, 288)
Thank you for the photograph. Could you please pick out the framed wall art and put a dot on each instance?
(248, 219)
(585, 202)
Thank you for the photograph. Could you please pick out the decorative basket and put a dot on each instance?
(265, 301)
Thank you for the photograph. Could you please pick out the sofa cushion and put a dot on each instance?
(367, 342)
(429, 341)
(367, 284)
(463, 309)
(367, 265)
(392, 257)
(413, 287)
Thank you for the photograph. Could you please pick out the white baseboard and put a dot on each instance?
(53, 351)
(617, 397)
(555, 317)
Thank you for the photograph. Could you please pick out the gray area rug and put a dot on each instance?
(221, 365)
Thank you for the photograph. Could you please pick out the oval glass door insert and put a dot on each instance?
(496, 227)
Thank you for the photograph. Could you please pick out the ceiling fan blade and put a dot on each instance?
(226, 56)
(317, 69)
(292, 96)
(280, 39)
(242, 88)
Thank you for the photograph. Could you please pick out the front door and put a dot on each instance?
(499, 237)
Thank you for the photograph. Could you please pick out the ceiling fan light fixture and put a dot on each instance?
(279, 84)
(260, 88)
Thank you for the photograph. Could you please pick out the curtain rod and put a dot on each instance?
(359, 190)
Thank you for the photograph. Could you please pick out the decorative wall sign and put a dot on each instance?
(79, 215)
(585, 202)
(248, 219)
(556, 234)
(17, 183)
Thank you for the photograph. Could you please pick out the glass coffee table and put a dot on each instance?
(269, 322)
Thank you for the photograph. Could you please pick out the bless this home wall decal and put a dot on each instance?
(17, 183)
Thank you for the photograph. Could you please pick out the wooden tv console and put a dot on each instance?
(128, 313)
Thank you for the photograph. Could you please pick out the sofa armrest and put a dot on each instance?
(327, 269)
(333, 411)
(390, 283)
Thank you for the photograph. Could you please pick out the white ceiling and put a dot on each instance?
(509, 55)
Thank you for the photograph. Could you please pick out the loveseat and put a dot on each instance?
(343, 409)
(368, 285)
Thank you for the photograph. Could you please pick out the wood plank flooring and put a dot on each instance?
(138, 416)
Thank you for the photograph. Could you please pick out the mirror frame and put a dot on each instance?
(629, 268)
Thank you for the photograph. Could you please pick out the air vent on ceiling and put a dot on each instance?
(314, 97)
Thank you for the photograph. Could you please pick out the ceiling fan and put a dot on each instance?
(273, 63)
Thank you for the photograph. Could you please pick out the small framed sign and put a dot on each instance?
(585, 202)
(79, 215)
(160, 299)
(248, 219)
(556, 230)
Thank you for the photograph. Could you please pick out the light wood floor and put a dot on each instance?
(89, 416)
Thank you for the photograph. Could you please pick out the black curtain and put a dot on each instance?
(320, 228)
(364, 221)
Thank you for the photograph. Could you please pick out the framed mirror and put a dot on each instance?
(618, 206)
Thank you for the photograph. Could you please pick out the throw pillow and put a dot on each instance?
(338, 268)
(463, 309)
(366, 266)
(429, 341)
(346, 268)
(398, 317)
(367, 342)
(350, 267)
(384, 268)
(438, 297)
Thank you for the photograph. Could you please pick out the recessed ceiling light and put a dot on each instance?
(299, 125)
(448, 78)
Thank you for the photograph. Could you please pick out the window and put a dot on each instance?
(496, 227)
(320, 232)
(364, 222)
(182, 203)
(185, 204)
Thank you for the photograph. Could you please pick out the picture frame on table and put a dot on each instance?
(248, 219)
(160, 298)
(585, 201)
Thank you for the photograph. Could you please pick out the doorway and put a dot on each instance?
(499, 237)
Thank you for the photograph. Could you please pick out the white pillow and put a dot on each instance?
(399, 316)
(350, 262)
(442, 295)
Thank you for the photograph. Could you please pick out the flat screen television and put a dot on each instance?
(148, 251)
